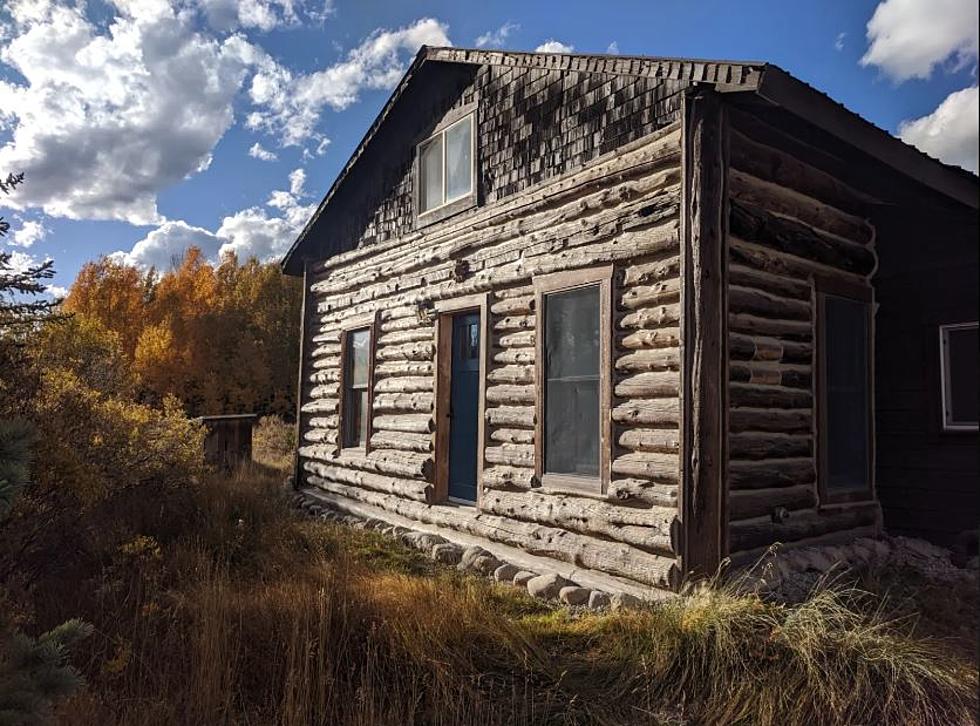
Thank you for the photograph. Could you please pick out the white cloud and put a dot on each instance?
(108, 115)
(290, 106)
(496, 38)
(909, 38)
(21, 261)
(257, 151)
(27, 233)
(553, 46)
(613, 48)
(839, 41)
(56, 291)
(166, 244)
(264, 15)
(297, 180)
(252, 232)
(949, 133)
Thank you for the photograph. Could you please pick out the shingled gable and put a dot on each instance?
(769, 83)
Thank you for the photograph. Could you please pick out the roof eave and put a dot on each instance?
(780, 88)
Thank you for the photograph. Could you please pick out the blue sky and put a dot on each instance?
(147, 125)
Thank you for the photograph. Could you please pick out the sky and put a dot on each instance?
(146, 126)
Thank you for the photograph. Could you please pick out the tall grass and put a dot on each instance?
(254, 616)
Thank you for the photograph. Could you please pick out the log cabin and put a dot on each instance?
(639, 314)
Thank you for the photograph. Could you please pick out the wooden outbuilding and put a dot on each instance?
(228, 439)
(639, 314)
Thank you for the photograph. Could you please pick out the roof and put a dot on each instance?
(765, 80)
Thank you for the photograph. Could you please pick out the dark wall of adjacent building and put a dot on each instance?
(927, 478)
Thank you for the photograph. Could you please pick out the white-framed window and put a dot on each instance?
(446, 172)
(960, 366)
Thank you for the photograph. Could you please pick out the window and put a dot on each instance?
(355, 411)
(446, 166)
(573, 435)
(845, 403)
(960, 366)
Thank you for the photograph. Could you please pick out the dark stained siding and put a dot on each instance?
(927, 277)
(533, 124)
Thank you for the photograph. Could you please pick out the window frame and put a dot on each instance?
(466, 201)
(945, 388)
(559, 282)
(354, 325)
(832, 287)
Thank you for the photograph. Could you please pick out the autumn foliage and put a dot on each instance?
(220, 338)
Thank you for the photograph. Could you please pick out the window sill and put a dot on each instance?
(571, 484)
(427, 219)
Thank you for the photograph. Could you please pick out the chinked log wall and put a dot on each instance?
(790, 221)
(622, 209)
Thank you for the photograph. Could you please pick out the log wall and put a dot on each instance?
(789, 222)
(623, 209)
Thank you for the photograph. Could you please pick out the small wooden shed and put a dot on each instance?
(639, 314)
(228, 441)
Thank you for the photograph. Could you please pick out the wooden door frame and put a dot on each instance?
(446, 310)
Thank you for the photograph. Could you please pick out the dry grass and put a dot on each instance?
(253, 616)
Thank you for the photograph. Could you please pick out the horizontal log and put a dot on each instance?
(650, 359)
(324, 390)
(646, 318)
(804, 523)
(750, 301)
(655, 440)
(508, 477)
(324, 376)
(771, 374)
(662, 384)
(649, 529)
(763, 348)
(513, 374)
(787, 421)
(324, 422)
(654, 412)
(523, 339)
(649, 272)
(407, 351)
(757, 396)
(408, 488)
(803, 208)
(408, 422)
(320, 436)
(321, 405)
(423, 334)
(420, 401)
(661, 338)
(780, 285)
(643, 491)
(612, 557)
(514, 356)
(656, 467)
(402, 441)
(748, 503)
(404, 384)
(396, 463)
(511, 395)
(403, 368)
(512, 436)
(516, 455)
(770, 473)
(523, 305)
(749, 221)
(645, 296)
(520, 416)
(511, 323)
(768, 446)
(800, 330)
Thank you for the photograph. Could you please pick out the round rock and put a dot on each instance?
(547, 586)
(574, 595)
(505, 573)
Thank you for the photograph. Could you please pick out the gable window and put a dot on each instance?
(845, 397)
(356, 374)
(446, 166)
(960, 366)
(573, 435)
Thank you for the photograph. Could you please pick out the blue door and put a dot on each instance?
(464, 408)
